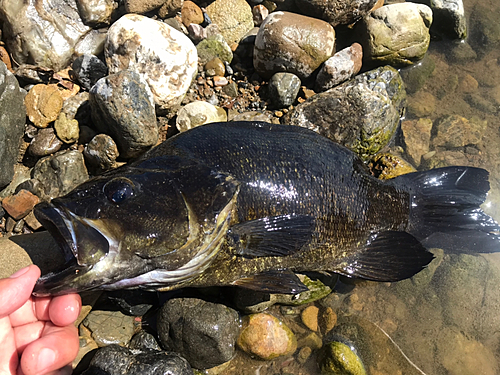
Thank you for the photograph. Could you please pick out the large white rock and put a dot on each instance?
(165, 57)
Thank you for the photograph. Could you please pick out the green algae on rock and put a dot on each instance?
(339, 359)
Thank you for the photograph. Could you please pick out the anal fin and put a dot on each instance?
(388, 256)
(280, 281)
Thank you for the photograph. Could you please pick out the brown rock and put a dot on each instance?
(310, 317)
(216, 66)
(43, 104)
(191, 13)
(417, 137)
(260, 12)
(20, 204)
(170, 8)
(4, 56)
(32, 221)
(142, 6)
(45, 143)
(327, 320)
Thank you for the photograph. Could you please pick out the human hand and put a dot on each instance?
(37, 334)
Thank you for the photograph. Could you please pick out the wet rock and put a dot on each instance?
(67, 130)
(339, 68)
(101, 153)
(109, 327)
(58, 174)
(235, 24)
(266, 337)
(96, 13)
(456, 131)
(43, 104)
(260, 12)
(338, 358)
(337, 11)
(144, 341)
(12, 120)
(116, 360)
(20, 204)
(422, 104)
(123, 107)
(283, 89)
(202, 332)
(362, 114)
(449, 16)
(480, 103)
(417, 137)
(191, 13)
(288, 42)
(166, 58)
(142, 6)
(485, 27)
(386, 166)
(214, 47)
(89, 69)
(327, 320)
(45, 143)
(198, 113)
(463, 53)
(215, 67)
(33, 37)
(309, 317)
(416, 76)
(397, 34)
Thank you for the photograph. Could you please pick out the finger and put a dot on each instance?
(57, 347)
(62, 310)
(16, 290)
(8, 352)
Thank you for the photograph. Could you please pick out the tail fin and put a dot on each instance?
(445, 210)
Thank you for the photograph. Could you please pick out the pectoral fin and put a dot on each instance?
(388, 256)
(272, 236)
(281, 281)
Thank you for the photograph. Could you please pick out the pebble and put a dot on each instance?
(283, 89)
(43, 104)
(191, 13)
(260, 12)
(20, 204)
(220, 81)
(417, 137)
(235, 24)
(338, 12)
(169, 8)
(45, 143)
(304, 354)
(67, 130)
(266, 337)
(422, 104)
(4, 57)
(109, 327)
(217, 66)
(309, 317)
(96, 13)
(450, 17)
(101, 153)
(213, 47)
(197, 32)
(89, 69)
(198, 113)
(32, 221)
(339, 358)
(142, 6)
(327, 320)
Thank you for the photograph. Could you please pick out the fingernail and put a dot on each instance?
(19, 273)
(46, 358)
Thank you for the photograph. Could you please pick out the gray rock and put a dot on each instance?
(92, 43)
(339, 68)
(283, 89)
(166, 58)
(416, 76)
(204, 333)
(45, 143)
(198, 113)
(288, 42)
(144, 341)
(101, 153)
(123, 107)
(12, 120)
(96, 13)
(213, 47)
(109, 327)
(135, 302)
(485, 28)
(33, 37)
(233, 25)
(449, 17)
(397, 34)
(336, 12)
(58, 174)
(362, 114)
(89, 69)
(116, 360)
(78, 108)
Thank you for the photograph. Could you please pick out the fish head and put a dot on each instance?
(116, 227)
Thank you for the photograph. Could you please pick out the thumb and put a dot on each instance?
(15, 290)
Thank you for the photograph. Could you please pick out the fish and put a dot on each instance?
(250, 204)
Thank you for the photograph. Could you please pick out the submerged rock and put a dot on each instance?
(417, 138)
(338, 358)
(456, 131)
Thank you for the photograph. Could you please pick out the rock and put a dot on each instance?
(422, 104)
(169, 8)
(417, 138)
(220, 82)
(58, 174)
(202, 332)
(309, 317)
(316, 291)
(386, 166)
(43, 104)
(397, 34)
(191, 13)
(463, 53)
(144, 341)
(288, 42)
(456, 131)
(166, 58)
(12, 120)
(251, 116)
(89, 69)
(136, 302)
(45, 143)
(214, 47)
(67, 130)
(338, 358)
(339, 68)
(266, 337)
(485, 28)
(116, 360)
(78, 108)
(483, 105)
(197, 33)
(260, 12)
(327, 320)
(33, 37)
(142, 6)
(20, 204)
(362, 114)
(215, 67)
(123, 107)
(337, 11)
(4, 57)
(283, 89)
(95, 13)
(198, 113)
(101, 153)
(416, 76)
(109, 327)
(449, 16)
(235, 24)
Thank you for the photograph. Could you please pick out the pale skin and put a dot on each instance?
(37, 334)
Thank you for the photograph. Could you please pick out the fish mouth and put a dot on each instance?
(83, 242)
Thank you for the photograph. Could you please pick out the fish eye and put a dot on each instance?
(118, 189)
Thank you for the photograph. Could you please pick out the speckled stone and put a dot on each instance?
(43, 104)
(110, 327)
